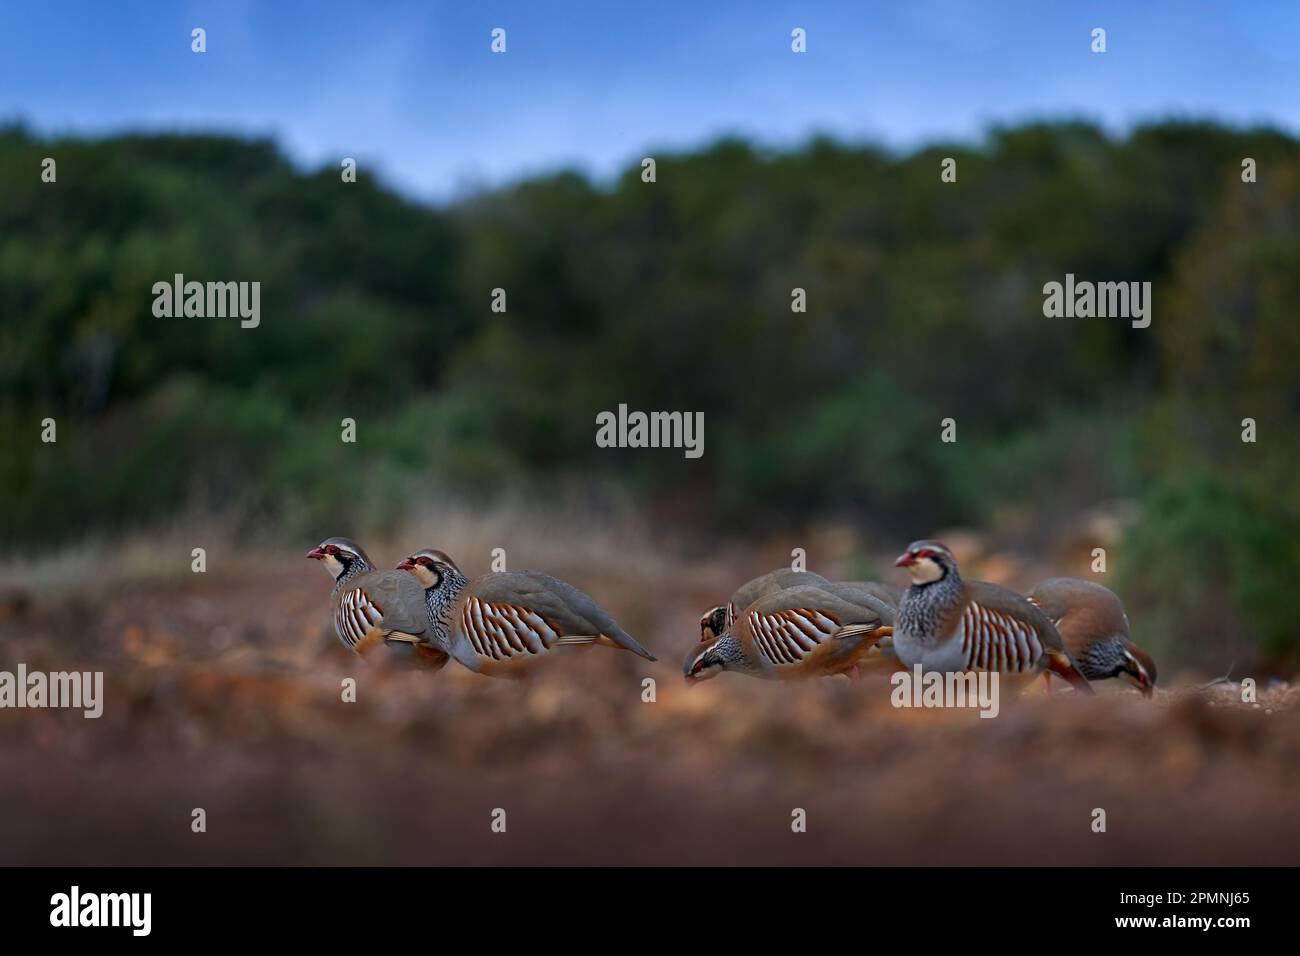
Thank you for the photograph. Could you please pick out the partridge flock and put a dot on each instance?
(499, 625)
(787, 624)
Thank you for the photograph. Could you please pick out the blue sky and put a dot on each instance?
(413, 89)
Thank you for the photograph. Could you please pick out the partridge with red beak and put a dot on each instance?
(946, 624)
(1094, 627)
(372, 607)
(510, 620)
(793, 633)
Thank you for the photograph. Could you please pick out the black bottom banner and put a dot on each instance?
(336, 906)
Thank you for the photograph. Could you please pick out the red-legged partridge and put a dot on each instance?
(799, 632)
(946, 624)
(890, 596)
(509, 620)
(1093, 624)
(885, 592)
(716, 620)
(373, 608)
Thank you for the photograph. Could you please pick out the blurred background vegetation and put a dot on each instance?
(924, 302)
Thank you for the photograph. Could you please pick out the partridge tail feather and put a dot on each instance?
(857, 630)
(1062, 666)
(429, 658)
(625, 641)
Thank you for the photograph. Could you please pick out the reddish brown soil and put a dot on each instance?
(221, 700)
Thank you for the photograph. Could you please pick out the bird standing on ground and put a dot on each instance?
(946, 624)
(373, 608)
(509, 620)
(1094, 627)
(798, 632)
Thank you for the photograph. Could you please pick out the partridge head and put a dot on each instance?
(713, 622)
(338, 555)
(927, 562)
(722, 654)
(429, 565)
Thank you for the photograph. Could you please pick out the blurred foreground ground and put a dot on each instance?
(223, 692)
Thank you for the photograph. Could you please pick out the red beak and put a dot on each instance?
(406, 565)
(1148, 692)
(905, 561)
(316, 553)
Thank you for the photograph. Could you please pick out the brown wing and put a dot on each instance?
(789, 635)
(357, 613)
(572, 616)
(1058, 621)
(1084, 613)
(501, 631)
(995, 640)
(391, 600)
(788, 626)
(769, 583)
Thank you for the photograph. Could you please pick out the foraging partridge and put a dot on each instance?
(716, 620)
(887, 594)
(373, 607)
(804, 631)
(883, 592)
(508, 620)
(946, 624)
(1093, 624)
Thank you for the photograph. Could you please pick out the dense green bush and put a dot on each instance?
(924, 302)
(1213, 565)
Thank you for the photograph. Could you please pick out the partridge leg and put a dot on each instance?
(429, 658)
(1059, 664)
